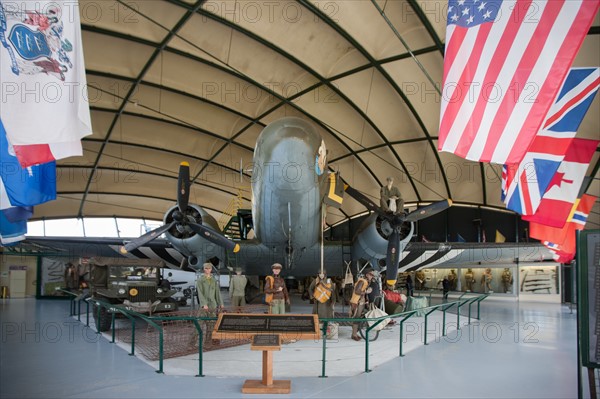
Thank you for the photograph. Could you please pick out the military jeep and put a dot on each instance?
(132, 284)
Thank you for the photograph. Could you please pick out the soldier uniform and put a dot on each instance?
(208, 290)
(386, 193)
(325, 295)
(237, 288)
(275, 286)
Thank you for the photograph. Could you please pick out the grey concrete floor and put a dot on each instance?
(516, 350)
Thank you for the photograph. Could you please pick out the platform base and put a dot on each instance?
(256, 386)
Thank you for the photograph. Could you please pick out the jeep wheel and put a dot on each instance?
(103, 324)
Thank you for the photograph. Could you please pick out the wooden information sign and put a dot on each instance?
(266, 332)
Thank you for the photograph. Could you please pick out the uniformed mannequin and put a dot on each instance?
(486, 280)
(275, 285)
(209, 297)
(237, 288)
(507, 280)
(357, 302)
(469, 280)
(324, 293)
(420, 277)
(391, 199)
(452, 279)
(71, 277)
(208, 289)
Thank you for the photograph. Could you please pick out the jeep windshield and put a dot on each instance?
(133, 273)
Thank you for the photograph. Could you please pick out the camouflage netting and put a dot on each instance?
(180, 337)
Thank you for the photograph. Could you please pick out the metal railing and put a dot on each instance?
(153, 321)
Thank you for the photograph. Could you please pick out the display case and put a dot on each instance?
(540, 282)
(487, 280)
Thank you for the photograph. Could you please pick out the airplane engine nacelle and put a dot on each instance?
(191, 244)
(371, 240)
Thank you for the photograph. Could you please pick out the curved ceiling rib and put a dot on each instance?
(361, 56)
(306, 68)
(391, 82)
(141, 75)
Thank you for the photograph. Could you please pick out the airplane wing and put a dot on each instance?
(256, 258)
(76, 247)
(419, 255)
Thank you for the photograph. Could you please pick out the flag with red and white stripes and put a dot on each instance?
(504, 64)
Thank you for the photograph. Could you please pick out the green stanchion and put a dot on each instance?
(199, 330)
(132, 319)
(324, 354)
(425, 328)
(402, 332)
(444, 318)
(87, 313)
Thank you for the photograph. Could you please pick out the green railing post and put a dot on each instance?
(426, 317)
(112, 324)
(324, 356)
(458, 312)
(479, 303)
(444, 318)
(470, 303)
(199, 330)
(130, 317)
(98, 318)
(87, 313)
(410, 314)
(78, 310)
(367, 331)
(151, 322)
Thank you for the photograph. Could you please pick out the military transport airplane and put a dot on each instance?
(287, 221)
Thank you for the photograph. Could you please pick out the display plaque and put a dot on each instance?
(266, 340)
(247, 325)
(266, 332)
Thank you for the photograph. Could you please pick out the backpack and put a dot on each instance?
(322, 292)
(269, 297)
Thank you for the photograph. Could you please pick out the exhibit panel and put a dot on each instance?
(540, 283)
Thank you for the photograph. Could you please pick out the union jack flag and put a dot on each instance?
(503, 65)
(524, 184)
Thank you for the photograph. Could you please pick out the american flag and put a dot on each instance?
(503, 66)
(524, 184)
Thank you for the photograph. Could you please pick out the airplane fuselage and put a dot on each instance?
(287, 185)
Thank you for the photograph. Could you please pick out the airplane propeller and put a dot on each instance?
(184, 216)
(395, 221)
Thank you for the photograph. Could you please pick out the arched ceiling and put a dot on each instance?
(181, 80)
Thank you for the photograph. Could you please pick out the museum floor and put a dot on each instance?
(518, 350)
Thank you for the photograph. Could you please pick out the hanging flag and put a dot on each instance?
(563, 239)
(524, 184)
(11, 233)
(503, 65)
(557, 254)
(18, 213)
(44, 103)
(334, 191)
(500, 237)
(24, 187)
(563, 190)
